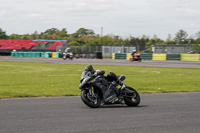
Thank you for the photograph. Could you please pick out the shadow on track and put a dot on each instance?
(122, 106)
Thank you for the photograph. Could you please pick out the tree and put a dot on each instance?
(24, 37)
(169, 40)
(181, 37)
(63, 34)
(126, 42)
(83, 32)
(51, 31)
(14, 36)
(95, 41)
(34, 35)
(133, 41)
(3, 34)
(73, 43)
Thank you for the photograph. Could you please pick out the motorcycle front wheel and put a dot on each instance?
(132, 100)
(91, 101)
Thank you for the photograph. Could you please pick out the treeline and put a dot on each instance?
(87, 37)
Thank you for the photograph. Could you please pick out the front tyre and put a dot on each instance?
(91, 101)
(132, 100)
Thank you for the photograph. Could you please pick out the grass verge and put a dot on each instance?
(22, 79)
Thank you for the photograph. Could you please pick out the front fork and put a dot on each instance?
(91, 91)
(91, 95)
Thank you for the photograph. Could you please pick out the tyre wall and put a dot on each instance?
(190, 57)
(162, 57)
(36, 54)
(159, 57)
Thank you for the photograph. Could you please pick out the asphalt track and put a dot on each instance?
(157, 113)
(144, 63)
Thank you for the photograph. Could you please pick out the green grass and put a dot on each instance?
(19, 79)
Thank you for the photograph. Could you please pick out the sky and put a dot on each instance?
(123, 18)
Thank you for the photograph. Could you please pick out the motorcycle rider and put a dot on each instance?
(110, 77)
(133, 54)
(67, 51)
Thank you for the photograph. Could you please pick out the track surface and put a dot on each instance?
(157, 113)
(147, 63)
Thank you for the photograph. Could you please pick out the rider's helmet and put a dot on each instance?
(111, 76)
(68, 50)
(89, 68)
(134, 51)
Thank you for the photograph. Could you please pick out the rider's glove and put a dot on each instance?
(96, 72)
(123, 87)
(120, 82)
(99, 72)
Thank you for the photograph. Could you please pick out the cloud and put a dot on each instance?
(124, 18)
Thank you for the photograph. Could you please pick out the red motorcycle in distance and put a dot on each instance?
(136, 58)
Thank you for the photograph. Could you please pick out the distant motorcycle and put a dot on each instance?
(67, 55)
(97, 89)
(136, 58)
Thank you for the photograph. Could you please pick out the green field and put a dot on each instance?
(19, 79)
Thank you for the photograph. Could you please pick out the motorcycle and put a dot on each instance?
(136, 58)
(67, 55)
(97, 89)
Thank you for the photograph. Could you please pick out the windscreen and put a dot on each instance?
(87, 72)
(89, 68)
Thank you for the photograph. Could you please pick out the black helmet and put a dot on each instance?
(111, 76)
(89, 68)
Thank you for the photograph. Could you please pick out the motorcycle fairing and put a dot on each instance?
(127, 91)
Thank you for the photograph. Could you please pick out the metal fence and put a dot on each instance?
(105, 50)
(171, 48)
(108, 50)
(85, 49)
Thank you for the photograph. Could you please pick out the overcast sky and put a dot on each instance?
(119, 17)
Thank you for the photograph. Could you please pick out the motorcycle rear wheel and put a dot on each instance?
(92, 102)
(132, 100)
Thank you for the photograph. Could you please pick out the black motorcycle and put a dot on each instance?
(98, 89)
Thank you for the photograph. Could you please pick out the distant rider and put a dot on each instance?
(67, 52)
(133, 54)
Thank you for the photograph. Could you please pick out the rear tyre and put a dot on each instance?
(91, 101)
(132, 100)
